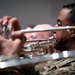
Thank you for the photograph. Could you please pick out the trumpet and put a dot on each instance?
(44, 47)
(41, 47)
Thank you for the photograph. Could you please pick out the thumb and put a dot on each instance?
(18, 46)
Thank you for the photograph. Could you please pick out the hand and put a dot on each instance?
(7, 20)
(14, 46)
(9, 48)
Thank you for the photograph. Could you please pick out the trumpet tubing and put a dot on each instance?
(38, 49)
(49, 29)
(44, 39)
(42, 49)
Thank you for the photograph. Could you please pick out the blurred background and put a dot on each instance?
(32, 12)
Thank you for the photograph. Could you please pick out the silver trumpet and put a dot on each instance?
(39, 47)
(37, 51)
(42, 48)
(6, 31)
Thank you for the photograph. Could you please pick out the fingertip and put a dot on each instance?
(6, 17)
(17, 41)
(15, 23)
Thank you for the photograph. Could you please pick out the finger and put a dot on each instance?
(19, 35)
(1, 21)
(6, 20)
(6, 17)
(18, 46)
(14, 23)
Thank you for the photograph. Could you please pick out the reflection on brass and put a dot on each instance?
(40, 47)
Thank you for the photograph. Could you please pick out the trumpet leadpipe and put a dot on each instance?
(40, 43)
(44, 39)
(49, 29)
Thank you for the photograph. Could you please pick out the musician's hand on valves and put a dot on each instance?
(14, 46)
(10, 48)
(8, 21)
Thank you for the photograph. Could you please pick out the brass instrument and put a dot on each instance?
(41, 48)
(38, 48)
(39, 55)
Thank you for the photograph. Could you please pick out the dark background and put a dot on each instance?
(32, 11)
